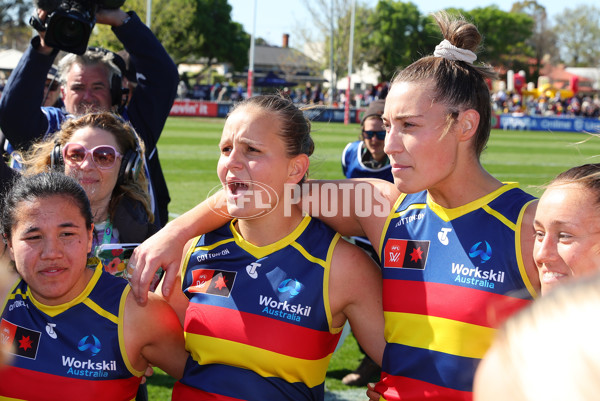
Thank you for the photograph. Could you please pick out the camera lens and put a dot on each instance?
(70, 32)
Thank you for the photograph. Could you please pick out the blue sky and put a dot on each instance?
(276, 17)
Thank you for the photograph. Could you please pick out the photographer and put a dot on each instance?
(86, 86)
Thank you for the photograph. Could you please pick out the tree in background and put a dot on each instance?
(399, 34)
(14, 31)
(325, 16)
(578, 33)
(190, 31)
(543, 40)
(505, 37)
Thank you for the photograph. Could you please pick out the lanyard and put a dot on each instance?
(106, 235)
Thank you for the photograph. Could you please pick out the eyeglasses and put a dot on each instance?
(103, 156)
(370, 134)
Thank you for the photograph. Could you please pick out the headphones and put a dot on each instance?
(116, 82)
(128, 172)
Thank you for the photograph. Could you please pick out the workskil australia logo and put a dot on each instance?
(89, 345)
(480, 252)
(288, 288)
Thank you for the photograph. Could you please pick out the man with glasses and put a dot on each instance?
(365, 158)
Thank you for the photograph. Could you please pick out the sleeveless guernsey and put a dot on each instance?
(450, 276)
(258, 325)
(74, 351)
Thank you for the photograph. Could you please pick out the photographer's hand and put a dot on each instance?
(113, 17)
(42, 48)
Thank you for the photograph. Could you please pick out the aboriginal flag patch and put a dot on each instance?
(405, 254)
(213, 282)
(20, 340)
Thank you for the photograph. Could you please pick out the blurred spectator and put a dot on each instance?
(51, 90)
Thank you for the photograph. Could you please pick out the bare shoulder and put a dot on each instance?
(352, 268)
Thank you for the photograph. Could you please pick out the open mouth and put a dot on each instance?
(236, 187)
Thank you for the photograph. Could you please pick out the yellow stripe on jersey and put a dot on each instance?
(121, 329)
(100, 311)
(207, 350)
(81, 298)
(519, 251)
(500, 217)
(438, 334)
(326, 303)
(261, 251)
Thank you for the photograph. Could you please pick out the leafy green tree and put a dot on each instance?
(505, 36)
(14, 30)
(399, 34)
(578, 32)
(190, 30)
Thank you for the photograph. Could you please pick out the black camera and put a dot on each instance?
(70, 22)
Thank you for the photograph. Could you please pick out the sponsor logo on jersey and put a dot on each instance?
(251, 268)
(50, 330)
(88, 368)
(90, 343)
(406, 254)
(18, 303)
(443, 236)
(481, 249)
(207, 256)
(19, 340)
(476, 276)
(409, 219)
(277, 307)
(291, 286)
(212, 282)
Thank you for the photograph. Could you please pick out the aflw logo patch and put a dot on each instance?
(20, 340)
(405, 254)
(214, 282)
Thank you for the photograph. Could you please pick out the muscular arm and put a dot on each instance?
(21, 118)
(355, 285)
(153, 335)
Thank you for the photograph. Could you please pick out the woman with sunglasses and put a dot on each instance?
(365, 158)
(92, 149)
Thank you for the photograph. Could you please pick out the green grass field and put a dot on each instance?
(189, 153)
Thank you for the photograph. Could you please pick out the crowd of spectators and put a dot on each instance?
(579, 105)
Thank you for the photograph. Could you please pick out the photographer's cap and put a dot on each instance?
(375, 109)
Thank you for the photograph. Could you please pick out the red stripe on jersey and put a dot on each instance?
(187, 393)
(29, 385)
(258, 331)
(413, 390)
(441, 300)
